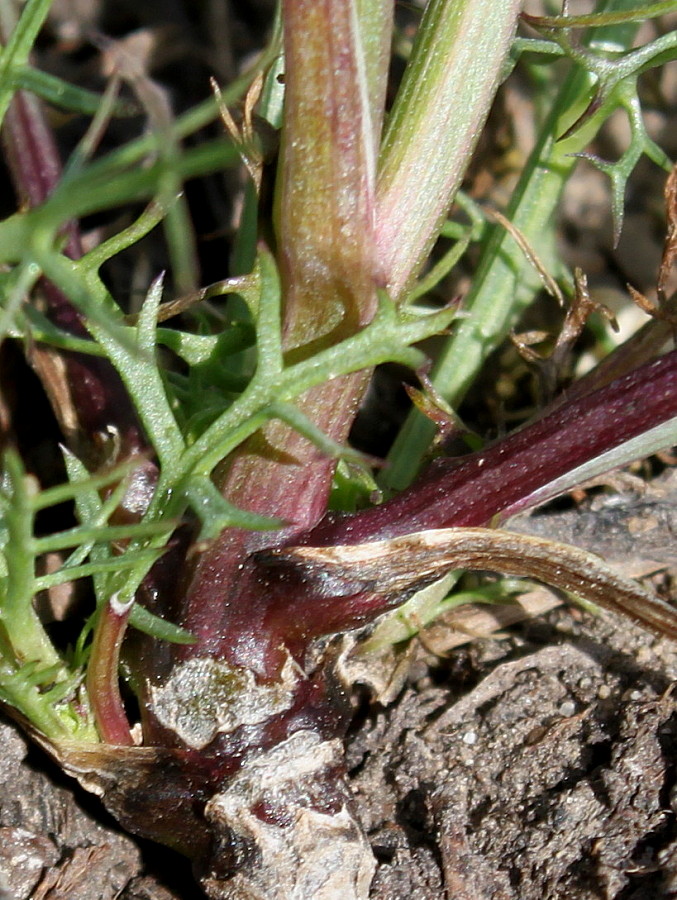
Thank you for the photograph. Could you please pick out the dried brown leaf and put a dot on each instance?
(552, 367)
(433, 405)
(400, 565)
(522, 241)
(670, 246)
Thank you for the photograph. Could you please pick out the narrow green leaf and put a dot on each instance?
(22, 36)
(28, 638)
(154, 626)
(438, 114)
(67, 96)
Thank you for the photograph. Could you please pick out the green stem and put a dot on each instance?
(376, 24)
(640, 13)
(30, 702)
(440, 109)
(504, 283)
(22, 36)
(27, 635)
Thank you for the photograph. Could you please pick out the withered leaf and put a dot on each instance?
(670, 247)
(402, 564)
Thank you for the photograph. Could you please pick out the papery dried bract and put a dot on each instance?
(401, 565)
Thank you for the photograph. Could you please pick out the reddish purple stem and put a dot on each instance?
(473, 490)
(97, 396)
(102, 674)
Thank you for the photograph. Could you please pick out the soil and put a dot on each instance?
(551, 778)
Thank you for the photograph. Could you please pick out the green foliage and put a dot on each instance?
(235, 376)
(34, 678)
(614, 69)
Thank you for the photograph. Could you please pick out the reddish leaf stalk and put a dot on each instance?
(255, 615)
(103, 673)
(502, 479)
(86, 392)
(274, 607)
(31, 153)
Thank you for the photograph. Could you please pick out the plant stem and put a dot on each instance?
(102, 673)
(324, 222)
(505, 283)
(440, 109)
(527, 467)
